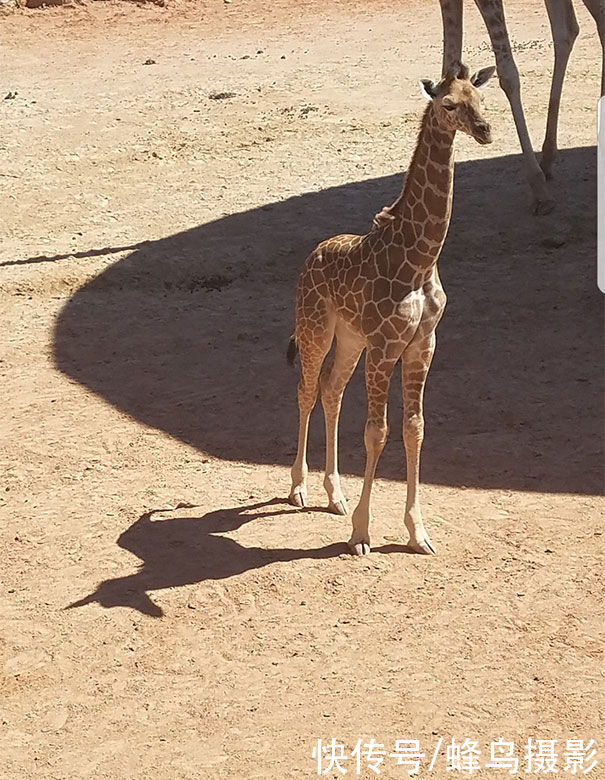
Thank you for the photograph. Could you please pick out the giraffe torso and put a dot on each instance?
(368, 283)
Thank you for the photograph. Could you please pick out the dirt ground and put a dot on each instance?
(151, 233)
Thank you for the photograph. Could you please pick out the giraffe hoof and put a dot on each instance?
(338, 507)
(297, 499)
(361, 548)
(543, 207)
(423, 547)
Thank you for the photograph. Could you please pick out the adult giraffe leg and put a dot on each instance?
(415, 364)
(312, 351)
(451, 16)
(379, 369)
(597, 12)
(565, 30)
(493, 15)
(333, 381)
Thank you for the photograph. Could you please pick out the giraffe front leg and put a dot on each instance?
(375, 436)
(415, 364)
(451, 16)
(378, 377)
(413, 434)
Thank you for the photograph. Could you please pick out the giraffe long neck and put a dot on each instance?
(424, 208)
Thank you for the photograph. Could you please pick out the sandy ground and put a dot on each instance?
(150, 240)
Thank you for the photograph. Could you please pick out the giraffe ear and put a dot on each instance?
(427, 87)
(481, 77)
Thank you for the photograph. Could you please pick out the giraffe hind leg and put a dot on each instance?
(595, 7)
(333, 381)
(493, 16)
(314, 334)
(565, 30)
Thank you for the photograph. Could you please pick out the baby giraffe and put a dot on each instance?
(381, 292)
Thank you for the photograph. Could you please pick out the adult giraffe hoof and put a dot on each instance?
(338, 507)
(423, 546)
(543, 206)
(361, 548)
(297, 498)
(546, 170)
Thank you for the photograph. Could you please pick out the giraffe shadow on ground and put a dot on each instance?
(188, 333)
(177, 551)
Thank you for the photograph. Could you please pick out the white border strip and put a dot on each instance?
(601, 195)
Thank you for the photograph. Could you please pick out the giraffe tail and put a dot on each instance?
(292, 350)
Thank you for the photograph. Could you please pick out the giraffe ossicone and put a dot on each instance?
(381, 292)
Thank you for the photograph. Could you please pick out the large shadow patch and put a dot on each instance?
(188, 334)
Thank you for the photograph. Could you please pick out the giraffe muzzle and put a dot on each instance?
(482, 133)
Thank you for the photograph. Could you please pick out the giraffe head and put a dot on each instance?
(457, 101)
